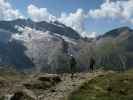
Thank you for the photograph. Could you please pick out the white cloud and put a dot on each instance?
(74, 20)
(39, 14)
(7, 12)
(118, 9)
(89, 34)
(114, 9)
(111, 9)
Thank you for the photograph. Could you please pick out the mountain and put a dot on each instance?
(43, 46)
(118, 31)
(53, 27)
(25, 44)
(115, 49)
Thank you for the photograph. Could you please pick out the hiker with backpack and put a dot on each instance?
(72, 65)
(92, 63)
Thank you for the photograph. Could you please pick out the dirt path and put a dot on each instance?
(63, 89)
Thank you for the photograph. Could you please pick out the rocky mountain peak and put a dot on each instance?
(118, 31)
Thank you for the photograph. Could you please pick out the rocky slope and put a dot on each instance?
(43, 46)
(114, 49)
(25, 44)
(40, 86)
(110, 86)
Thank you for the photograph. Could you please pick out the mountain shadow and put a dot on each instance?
(13, 54)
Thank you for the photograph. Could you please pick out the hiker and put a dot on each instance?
(72, 65)
(92, 63)
(29, 35)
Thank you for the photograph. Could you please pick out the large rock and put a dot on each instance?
(43, 82)
(19, 95)
(37, 85)
(52, 78)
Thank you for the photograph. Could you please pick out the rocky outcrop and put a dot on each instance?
(43, 82)
(19, 95)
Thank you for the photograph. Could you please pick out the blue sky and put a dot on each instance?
(88, 17)
(57, 6)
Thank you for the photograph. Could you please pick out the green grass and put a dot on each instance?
(106, 87)
(2, 98)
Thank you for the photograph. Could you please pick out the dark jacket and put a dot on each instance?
(72, 63)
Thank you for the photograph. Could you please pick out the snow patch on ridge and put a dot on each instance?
(28, 34)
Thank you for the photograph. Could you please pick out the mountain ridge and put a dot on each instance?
(116, 44)
(42, 26)
(40, 44)
(117, 31)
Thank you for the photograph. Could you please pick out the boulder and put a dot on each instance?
(19, 95)
(37, 85)
(53, 78)
(43, 82)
